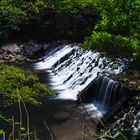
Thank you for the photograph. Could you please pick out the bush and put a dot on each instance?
(52, 20)
(114, 45)
(20, 84)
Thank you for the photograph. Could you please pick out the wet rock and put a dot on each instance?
(134, 131)
(133, 83)
(138, 106)
(93, 61)
(2, 61)
(29, 52)
(100, 66)
(6, 56)
(138, 116)
(128, 120)
(31, 49)
(12, 58)
(136, 124)
(19, 58)
(1, 57)
(11, 48)
(116, 125)
(1, 51)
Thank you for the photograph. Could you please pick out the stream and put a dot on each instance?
(69, 70)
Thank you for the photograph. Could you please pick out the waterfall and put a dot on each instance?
(103, 94)
(103, 89)
(72, 70)
(107, 91)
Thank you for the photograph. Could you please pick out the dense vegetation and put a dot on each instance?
(18, 87)
(117, 33)
(46, 20)
(113, 25)
(110, 26)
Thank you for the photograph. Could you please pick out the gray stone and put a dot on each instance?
(1, 51)
(19, 58)
(31, 48)
(1, 57)
(6, 57)
(133, 83)
(11, 48)
(128, 119)
(2, 61)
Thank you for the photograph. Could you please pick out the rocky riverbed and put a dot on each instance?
(26, 52)
(126, 123)
(32, 52)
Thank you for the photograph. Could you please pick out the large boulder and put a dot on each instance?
(32, 50)
(11, 48)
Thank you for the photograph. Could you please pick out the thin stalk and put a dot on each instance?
(104, 126)
(83, 136)
(10, 135)
(35, 134)
(123, 136)
(4, 136)
(28, 119)
(13, 129)
(20, 115)
(52, 137)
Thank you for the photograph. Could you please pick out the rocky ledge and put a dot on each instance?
(26, 52)
(126, 122)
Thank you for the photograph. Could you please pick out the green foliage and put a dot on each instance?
(2, 132)
(118, 31)
(119, 17)
(70, 5)
(18, 84)
(115, 45)
(18, 87)
(11, 16)
(16, 13)
(13, 124)
(66, 17)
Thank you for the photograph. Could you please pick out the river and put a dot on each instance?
(68, 70)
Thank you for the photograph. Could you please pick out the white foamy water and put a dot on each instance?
(71, 69)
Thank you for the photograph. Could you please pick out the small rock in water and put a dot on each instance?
(128, 119)
(62, 115)
(135, 131)
(133, 83)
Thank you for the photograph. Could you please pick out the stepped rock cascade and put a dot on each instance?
(105, 90)
(71, 70)
(102, 93)
(109, 91)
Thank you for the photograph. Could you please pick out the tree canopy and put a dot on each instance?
(21, 20)
(117, 33)
(18, 84)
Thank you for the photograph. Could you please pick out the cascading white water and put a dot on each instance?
(71, 69)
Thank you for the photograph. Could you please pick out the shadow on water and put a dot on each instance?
(53, 112)
(68, 70)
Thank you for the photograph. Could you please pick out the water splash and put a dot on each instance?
(71, 69)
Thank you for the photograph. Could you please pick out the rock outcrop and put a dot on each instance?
(128, 119)
(27, 52)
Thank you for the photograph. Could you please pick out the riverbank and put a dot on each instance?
(30, 51)
(65, 119)
(71, 114)
(20, 53)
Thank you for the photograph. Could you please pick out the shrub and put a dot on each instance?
(114, 45)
